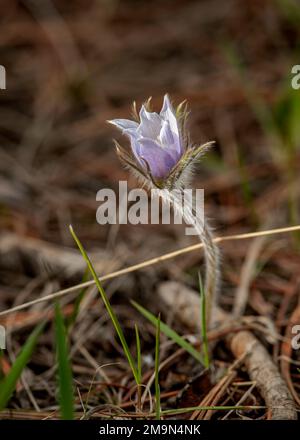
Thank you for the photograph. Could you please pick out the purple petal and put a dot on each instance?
(167, 113)
(166, 105)
(150, 124)
(170, 141)
(124, 124)
(136, 149)
(166, 136)
(159, 159)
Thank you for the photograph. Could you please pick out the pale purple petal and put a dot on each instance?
(136, 149)
(166, 105)
(159, 159)
(150, 124)
(124, 124)
(168, 114)
(170, 140)
(166, 135)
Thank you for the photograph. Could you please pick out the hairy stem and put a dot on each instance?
(211, 251)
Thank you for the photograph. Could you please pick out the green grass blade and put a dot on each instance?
(65, 379)
(203, 324)
(110, 310)
(8, 384)
(157, 387)
(138, 353)
(169, 332)
(72, 318)
(2, 376)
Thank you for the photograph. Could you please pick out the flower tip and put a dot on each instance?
(167, 105)
(167, 97)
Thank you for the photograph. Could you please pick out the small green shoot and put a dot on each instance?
(65, 379)
(8, 384)
(139, 366)
(109, 309)
(203, 324)
(70, 321)
(157, 387)
(179, 340)
(138, 353)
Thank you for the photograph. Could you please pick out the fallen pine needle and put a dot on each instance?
(147, 263)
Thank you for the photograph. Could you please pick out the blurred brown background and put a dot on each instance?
(71, 66)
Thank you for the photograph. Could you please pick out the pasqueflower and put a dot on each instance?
(160, 150)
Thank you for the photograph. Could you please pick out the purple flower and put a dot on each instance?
(161, 152)
(155, 141)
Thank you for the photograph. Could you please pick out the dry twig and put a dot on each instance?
(258, 362)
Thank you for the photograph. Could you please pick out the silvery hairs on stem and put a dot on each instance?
(163, 157)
